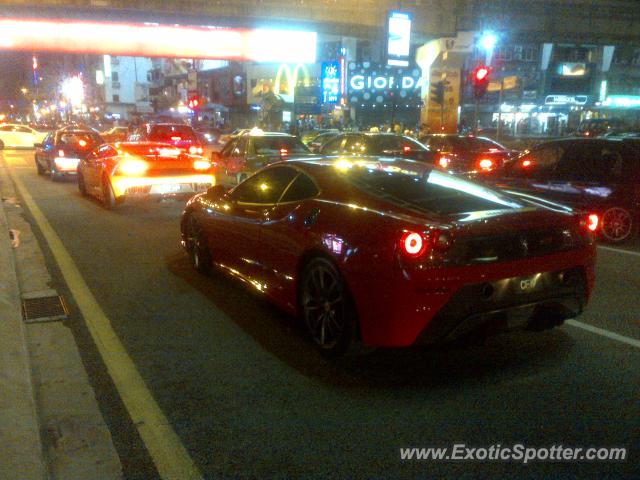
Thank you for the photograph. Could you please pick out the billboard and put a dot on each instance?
(330, 75)
(157, 40)
(398, 38)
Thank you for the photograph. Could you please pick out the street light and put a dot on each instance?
(488, 41)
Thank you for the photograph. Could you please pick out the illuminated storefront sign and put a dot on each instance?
(286, 89)
(156, 40)
(398, 38)
(623, 101)
(330, 80)
(362, 82)
(566, 99)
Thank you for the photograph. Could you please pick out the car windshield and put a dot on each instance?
(274, 145)
(432, 192)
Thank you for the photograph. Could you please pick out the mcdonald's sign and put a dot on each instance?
(288, 78)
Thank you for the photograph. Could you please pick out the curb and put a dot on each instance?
(21, 455)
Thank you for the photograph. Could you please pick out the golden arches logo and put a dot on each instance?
(291, 79)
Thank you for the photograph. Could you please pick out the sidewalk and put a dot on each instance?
(21, 454)
(50, 422)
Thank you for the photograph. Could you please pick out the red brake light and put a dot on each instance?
(486, 164)
(593, 221)
(413, 244)
(284, 151)
(61, 153)
(443, 161)
(527, 163)
(406, 149)
(176, 139)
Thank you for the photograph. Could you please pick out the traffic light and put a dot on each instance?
(480, 81)
(194, 102)
(437, 93)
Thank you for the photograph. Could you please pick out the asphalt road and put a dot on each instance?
(249, 397)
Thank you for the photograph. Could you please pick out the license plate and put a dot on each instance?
(166, 188)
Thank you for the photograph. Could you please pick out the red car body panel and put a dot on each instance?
(395, 300)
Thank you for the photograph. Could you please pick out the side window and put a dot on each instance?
(23, 130)
(333, 147)
(265, 187)
(438, 143)
(107, 151)
(389, 145)
(355, 144)
(539, 163)
(302, 188)
(584, 162)
(242, 146)
(226, 150)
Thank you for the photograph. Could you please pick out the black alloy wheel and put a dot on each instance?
(54, 174)
(108, 197)
(197, 246)
(326, 307)
(81, 185)
(617, 225)
(39, 168)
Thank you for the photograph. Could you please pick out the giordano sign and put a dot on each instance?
(384, 82)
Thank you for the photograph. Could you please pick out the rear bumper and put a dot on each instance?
(161, 186)
(434, 304)
(491, 307)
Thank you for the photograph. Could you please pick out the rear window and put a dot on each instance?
(85, 140)
(475, 143)
(273, 145)
(433, 192)
(390, 143)
(172, 133)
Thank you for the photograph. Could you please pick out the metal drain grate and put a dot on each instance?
(44, 309)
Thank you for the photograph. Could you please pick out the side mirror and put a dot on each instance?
(217, 191)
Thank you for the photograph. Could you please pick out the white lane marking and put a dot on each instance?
(604, 333)
(620, 250)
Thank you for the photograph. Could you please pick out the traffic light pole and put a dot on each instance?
(499, 127)
(475, 117)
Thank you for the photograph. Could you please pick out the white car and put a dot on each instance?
(19, 136)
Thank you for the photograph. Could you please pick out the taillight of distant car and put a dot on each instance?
(592, 222)
(195, 150)
(201, 165)
(132, 167)
(526, 163)
(485, 164)
(284, 152)
(443, 161)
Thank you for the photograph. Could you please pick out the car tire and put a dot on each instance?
(82, 187)
(198, 247)
(108, 197)
(326, 307)
(54, 175)
(39, 168)
(618, 225)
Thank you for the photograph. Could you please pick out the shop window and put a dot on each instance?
(517, 52)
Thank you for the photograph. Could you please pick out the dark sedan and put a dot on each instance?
(446, 256)
(383, 144)
(61, 151)
(598, 175)
(466, 153)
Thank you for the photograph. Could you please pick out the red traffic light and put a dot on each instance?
(481, 73)
(194, 102)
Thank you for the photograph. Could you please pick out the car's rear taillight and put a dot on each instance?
(592, 222)
(414, 244)
(526, 163)
(485, 164)
(406, 149)
(443, 161)
(61, 153)
(201, 165)
(195, 150)
(284, 151)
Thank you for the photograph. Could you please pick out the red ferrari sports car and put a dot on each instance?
(393, 252)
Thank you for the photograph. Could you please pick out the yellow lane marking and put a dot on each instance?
(164, 446)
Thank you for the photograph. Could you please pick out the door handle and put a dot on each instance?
(311, 218)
